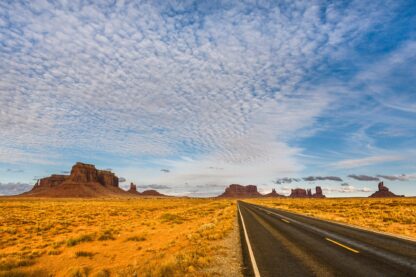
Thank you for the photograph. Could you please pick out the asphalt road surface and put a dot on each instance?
(280, 243)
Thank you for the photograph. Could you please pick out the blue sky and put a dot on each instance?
(217, 92)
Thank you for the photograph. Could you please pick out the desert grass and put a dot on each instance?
(128, 237)
(391, 215)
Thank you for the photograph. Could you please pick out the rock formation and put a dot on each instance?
(383, 191)
(51, 181)
(307, 193)
(273, 194)
(298, 193)
(87, 173)
(84, 181)
(235, 190)
(318, 193)
(151, 192)
(133, 189)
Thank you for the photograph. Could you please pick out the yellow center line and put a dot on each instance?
(285, 220)
(342, 245)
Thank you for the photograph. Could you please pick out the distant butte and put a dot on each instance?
(151, 192)
(133, 189)
(383, 191)
(273, 194)
(302, 193)
(235, 190)
(84, 181)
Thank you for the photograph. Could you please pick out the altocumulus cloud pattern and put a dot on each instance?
(224, 83)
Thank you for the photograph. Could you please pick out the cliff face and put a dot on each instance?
(51, 181)
(107, 178)
(87, 173)
(235, 190)
(84, 181)
(83, 173)
(307, 193)
(383, 191)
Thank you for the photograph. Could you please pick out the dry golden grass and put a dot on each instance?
(392, 215)
(135, 237)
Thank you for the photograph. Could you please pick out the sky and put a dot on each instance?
(190, 96)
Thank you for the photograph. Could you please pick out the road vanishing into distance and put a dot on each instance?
(281, 243)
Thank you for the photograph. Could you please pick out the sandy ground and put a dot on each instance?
(231, 261)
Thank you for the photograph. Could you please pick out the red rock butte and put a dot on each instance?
(151, 192)
(302, 193)
(273, 194)
(133, 189)
(84, 181)
(236, 190)
(383, 191)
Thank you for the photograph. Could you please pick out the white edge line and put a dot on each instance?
(392, 235)
(250, 250)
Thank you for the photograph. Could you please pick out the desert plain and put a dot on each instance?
(158, 236)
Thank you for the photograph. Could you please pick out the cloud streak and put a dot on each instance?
(322, 178)
(363, 178)
(402, 177)
(353, 163)
(153, 186)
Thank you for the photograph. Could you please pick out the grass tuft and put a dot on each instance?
(78, 240)
(172, 218)
(106, 235)
(84, 254)
(136, 238)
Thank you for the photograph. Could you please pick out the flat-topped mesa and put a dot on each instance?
(383, 191)
(298, 192)
(84, 181)
(236, 190)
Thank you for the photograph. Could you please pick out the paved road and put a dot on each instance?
(280, 243)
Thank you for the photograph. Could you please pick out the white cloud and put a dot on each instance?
(346, 189)
(14, 188)
(222, 86)
(353, 163)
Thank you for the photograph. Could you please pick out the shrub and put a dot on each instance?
(54, 252)
(106, 235)
(9, 264)
(84, 254)
(136, 238)
(83, 238)
(172, 218)
(19, 273)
